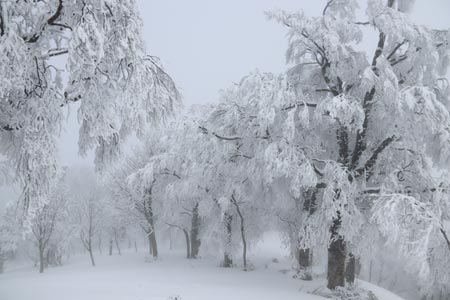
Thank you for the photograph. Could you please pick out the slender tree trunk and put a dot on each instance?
(336, 257)
(227, 260)
(91, 255)
(244, 241)
(149, 244)
(41, 258)
(195, 228)
(2, 264)
(148, 211)
(135, 246)
(350, 269)
(110, 246)
(188, 243)
(117, 242)
(100, 244)
(153, 244)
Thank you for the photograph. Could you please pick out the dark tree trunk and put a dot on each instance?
(91, 255)
(244, 241)
(110, 246)
(336, 257)
(135, 246)
(350, 269)
(195, 228)
(305, 255)
(100, 245)
(2, 265)
(148, 212)
(41, 259)
(153, 244)
(304, 259)
(149, 244)
(188, 243)
(227, 260)
(117, 242)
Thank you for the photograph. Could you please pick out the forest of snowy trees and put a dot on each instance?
(346, 154)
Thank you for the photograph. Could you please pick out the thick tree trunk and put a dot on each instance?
(91, 255)
(304, 263)
(305, 255)
(195, 228)
(41, 259)
(336, 257)
(227, 260)
(188, 243)
(350, 269)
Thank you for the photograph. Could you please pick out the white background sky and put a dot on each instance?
(206, 45)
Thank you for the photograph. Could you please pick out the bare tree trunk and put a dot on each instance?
(116, 241)
(336, 257)
(148, 212)
(2, 264)
(153, 244)
(110, 246)
(100, 244)
(227, 260)
(188, 243)
(41, 258)
(149, 244)
(195, 228)
(350, 269)
(135, 246)
(244, 241)
(91, 255)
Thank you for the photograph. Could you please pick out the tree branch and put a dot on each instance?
(370, 163)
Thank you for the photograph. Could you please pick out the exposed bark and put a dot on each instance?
(92, 256)
(336, 257)
(195, 229)
(153, 243)
(100, 244)
(187, 239)
(116, 240)
(148, 213)
(110, 246)
(227, 260)
(244, 241)
(350, 269)
(188, 243)
(41, 258)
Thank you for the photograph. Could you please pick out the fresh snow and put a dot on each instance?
(132, 276)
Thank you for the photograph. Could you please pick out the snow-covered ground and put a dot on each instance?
(129, 277)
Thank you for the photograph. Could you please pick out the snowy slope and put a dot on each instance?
(129, 277)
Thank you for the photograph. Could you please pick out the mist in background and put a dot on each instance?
(207, 45)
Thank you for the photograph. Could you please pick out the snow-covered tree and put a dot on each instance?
(118, 86)
(370, 115)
